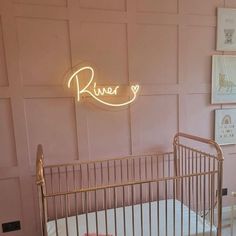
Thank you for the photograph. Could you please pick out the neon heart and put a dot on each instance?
(135, 88)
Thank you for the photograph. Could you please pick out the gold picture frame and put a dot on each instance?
(223, 79)
(226, 29)
(225, 126)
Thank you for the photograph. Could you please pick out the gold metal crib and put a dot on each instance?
(173, 193)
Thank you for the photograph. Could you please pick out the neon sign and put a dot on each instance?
(96, 92)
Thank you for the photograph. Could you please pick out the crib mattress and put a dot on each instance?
(147, 217)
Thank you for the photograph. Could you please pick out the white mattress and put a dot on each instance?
(137, 222)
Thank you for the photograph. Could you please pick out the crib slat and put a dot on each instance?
(189, 204)
(115, 205)
(123, 204)
(51, 176)
(96, 212)
(105, 203)
(132, 199)
(196, 205)
(76, 216)
(150, 209)
(212, 199)
(108, 179)
(55, 213)
(204, 196)
(121, 171)
(181, 184)
(86, 211)
(66, 218)
(174, 196)
(158, 210)
(201, 177)
(141, 208)
(140, 169)
(59, 186)
(166, 209)
(214, 168)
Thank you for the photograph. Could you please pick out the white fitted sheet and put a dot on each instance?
(51, 228)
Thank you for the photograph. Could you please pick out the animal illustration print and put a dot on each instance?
(225, 83)
(229, 36)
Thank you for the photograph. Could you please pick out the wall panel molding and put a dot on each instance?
(9, 172)
(4, 92)
(166, 46)
(3, 69)
(107, 5)
(7, 139)
(54, 3)
(12, 62)
(43, 12)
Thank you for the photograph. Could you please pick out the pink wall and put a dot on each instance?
(164, 45)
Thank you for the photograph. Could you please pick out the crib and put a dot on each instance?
(172, 193)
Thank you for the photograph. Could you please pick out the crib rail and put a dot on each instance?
(68, 177)
(184, 184)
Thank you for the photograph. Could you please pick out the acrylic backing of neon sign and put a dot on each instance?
(98, 93)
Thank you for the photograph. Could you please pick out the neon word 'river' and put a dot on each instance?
(95, 92)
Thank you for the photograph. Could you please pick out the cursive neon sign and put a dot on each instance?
(97, 92)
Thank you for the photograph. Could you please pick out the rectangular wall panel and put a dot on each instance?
(199, 115)
(114, 5)
(3, 69)
(155, 121)
(51, 122)
(10, 201)
(108, 132)
(44, 50)
(7, 138)
(104, 46)
(201, 7)
(230, 3)
(155, 50)
(198, 46)
(167, 6)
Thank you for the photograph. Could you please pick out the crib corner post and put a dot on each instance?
(219, 196)
(176, 163)
(175, 143)
(41, 189)
(220, 160)
(39, 166)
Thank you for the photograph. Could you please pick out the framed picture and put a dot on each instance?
(225, 126)
(226, 29)
(223, 79)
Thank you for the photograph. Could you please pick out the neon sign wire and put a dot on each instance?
(96, 93)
